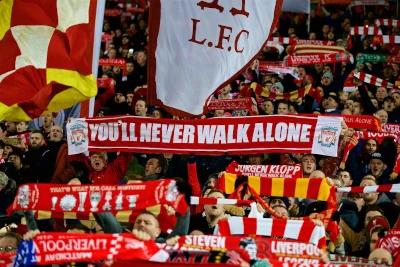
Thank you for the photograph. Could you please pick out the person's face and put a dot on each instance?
(325, 29)
(48, 120)
(106, 69)
(356, 109)
(308, 164)
(344, 97)
(395, 67)
(283, 109)
(22, 126)
(129, 67)
(152, 167)
(376, 166)
(338, 184)
(374, 239)
(119, 98)
(211, 182)
(375, 103)
(112, 53)
(326, 81)
(219, 113)
(252, 250)
(156, 114)
(370, 146)
(292, 110)
(8, 245)
(148, 224)
(141, 58)
(106, 27)
(346, 178)
(371, 214)
(226, 90)
(140, 108)
(267, 107)
(281, 211)
(56, 133)
(7, 150)
(387, 72)
(36, 141)
(98, 162)
(396, 98)
(368, 197)
(277, 202)
(330, 104)
(383, 116)
(116, 70)
(214, 210)
(302, 72)
(255, 159)
(312, 36)
(2, 134)
(326, 69)
(16, 161)
(129, 98)
(388, 105)
(125, 40)
(11, 127)
(381, 255)
(307, 80)
(381, 93)
(331, 36)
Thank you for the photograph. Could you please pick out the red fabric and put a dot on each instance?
(316, 59)
(114, 172)
(167, 222)
(193, 181)
(103, 98)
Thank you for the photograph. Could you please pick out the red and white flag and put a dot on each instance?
(387, 22)
(198, 47)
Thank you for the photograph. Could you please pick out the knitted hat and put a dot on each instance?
(327, 75)
(376, 222)
(3, 179)
(279, 85)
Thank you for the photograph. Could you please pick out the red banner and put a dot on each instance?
(120, 62)
(266, 171)
(236, 135)
(105, 82)
(316, 59)
(86, 199)
(233, 104)
(311, 42)
(361, 122)
(108, 12)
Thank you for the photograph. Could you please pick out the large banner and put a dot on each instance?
(235, 135)
(197, 47)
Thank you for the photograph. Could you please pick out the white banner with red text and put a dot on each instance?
(209, 45)
(234, 135)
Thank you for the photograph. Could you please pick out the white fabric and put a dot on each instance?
(187, 73)
(72, 12)
(254, 213)
(299, 6)
(326, 136)
(77, 132)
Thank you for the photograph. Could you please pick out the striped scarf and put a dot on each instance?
(363, 30)
(370, 79)
(386, 188)
(305, 231)
(218, 201)
(386, 39)
(387, 22)
(302, 92)
(315, 49)
(315, 188)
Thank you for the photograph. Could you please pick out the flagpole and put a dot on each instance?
(96, 46)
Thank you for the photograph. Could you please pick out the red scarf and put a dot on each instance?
(316, 59)
(85, 199)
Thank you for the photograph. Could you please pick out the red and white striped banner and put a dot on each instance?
(278, 69)
(316, 49)
(370, 79)
(386, 188)
(369, 3)
(300, 230)
(218, 201)
(283, 40)
(387, 22)
(363, 30)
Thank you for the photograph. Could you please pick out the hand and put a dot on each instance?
(294, 211)
(221, 173)
(329, 181)
(170, 210)
(360, 203)
(260, 208)
(318, 222)
(31, 235)
(344, 128)
(224, 217)
(74, 181)
(323, 256)
(172, 241)
(141, 235)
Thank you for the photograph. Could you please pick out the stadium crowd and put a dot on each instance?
(43, 156)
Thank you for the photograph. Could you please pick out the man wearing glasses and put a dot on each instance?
(9, 242)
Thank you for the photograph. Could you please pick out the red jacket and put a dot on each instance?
(196, 190)
(112, 174)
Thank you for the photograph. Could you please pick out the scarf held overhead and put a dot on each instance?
(266, 171)
(85, 199)
(59, 248)
(236, 135)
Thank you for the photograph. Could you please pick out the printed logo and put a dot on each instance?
(327, 137)
(78, 136)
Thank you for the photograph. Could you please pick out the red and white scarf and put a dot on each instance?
(386, 188)
(233, 104)
(218, 201)
(86, 199)
(387, 22)
(105, 83)
(386, 39)
(266, 171)
(370, 79)
(315, 49)
(120, 62)
(363, 30)
(305, 231)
